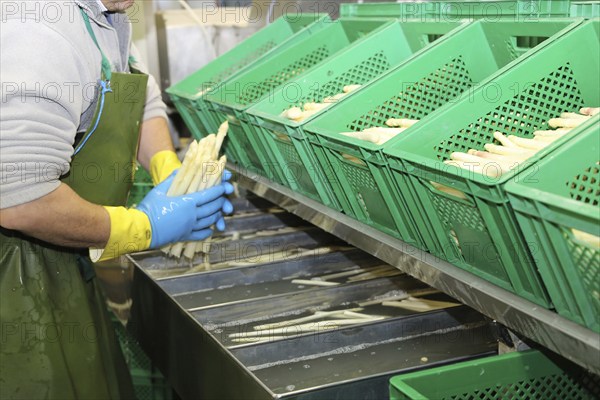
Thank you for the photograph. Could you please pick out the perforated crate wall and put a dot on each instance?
(585, 188)
(234, 67)
(525, 113)
(359, 74)
(418, 99)
(254, 91)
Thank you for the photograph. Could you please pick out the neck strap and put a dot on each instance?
(106, 72)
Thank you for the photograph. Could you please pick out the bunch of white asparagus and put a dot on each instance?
(201, 169)
(308, 109)
(498, 159)
(380, 135)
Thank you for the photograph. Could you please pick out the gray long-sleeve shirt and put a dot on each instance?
(49, 71)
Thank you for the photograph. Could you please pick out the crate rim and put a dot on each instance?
(385, 22)
(171, 90)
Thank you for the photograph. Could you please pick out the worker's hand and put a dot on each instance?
(160, 220)
(185, 218)
(162, 164)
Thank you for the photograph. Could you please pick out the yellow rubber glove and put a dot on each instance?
(162, 164)
(130, 231)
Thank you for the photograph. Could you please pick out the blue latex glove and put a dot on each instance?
(188, 217)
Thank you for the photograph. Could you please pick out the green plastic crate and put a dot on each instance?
(587, 9)
(232, 99)
(419, 86)
(360, 64)
(148, 381)
(477, 228)
(521, 375)
(561, 193)
(188, 94)
(456, 10)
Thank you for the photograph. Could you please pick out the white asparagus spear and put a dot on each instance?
(292, 113)
(355, 315)
(553, 132)
(257, 339)
(448, 190)
(402, 296)
(351, 88)
(401, 122)
(317, 315)
(547, 139)
(196, 174)
(307, 114)
(573, 115)
(495, 157)
(372, 137)
(315, 106)
(308, 327)
(420, 305)
(343, 274)
(528, 143)
(509, 151)
(504, 141)
(482, 162)
(588, 238)
(188, 160)
(565, 122)
(313, 282)
(590, 110)
(221, 133)
(212, 180)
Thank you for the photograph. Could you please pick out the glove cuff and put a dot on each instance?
(162, 164)
(130, 231)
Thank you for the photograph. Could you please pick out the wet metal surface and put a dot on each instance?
(194, 322)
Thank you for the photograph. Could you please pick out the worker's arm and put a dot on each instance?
(63, 218)
(60, 217)
(154, 138)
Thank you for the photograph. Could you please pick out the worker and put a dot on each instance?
(75, 105)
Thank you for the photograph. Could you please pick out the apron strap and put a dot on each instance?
(106, 72)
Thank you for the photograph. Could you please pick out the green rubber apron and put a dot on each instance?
(57, 339)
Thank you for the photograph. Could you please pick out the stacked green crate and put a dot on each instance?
(469, 212)
(232, 99)
(424, 83)
(456, 10)
(148, 382)
(557, 204)
(520, 375)
(360, 64)
(188, 95)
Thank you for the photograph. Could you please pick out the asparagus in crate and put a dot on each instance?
(299, 114)
(380, 134)
(201, 169)
(511, 151)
